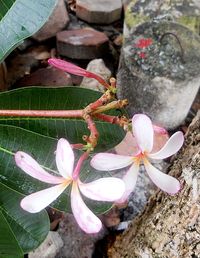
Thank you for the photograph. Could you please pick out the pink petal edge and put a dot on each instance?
(36, 202)
(165, 182)
(130, 179)
(173, 145)
(32, 168)
(160, 130)
(143, 132)
(85, 218)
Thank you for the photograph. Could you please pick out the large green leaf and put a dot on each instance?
(42, 148)
(20, 19)
(58, 99)
(21, 232)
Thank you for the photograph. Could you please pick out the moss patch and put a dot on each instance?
(192, 22)
(133, 19)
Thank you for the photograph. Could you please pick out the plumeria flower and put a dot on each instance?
(104, 189)
(74, 69)
(144, 135)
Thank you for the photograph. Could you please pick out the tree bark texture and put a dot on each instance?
(169, 226)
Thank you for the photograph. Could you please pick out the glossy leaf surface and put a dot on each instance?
(66, 98)
(21, 232)
(20, 19)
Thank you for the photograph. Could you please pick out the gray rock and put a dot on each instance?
(96, 66)
(159, 71)
(82, 43)
(77, 244)
(123, 225)
(56, 22)
(185, 12)
(49, 248)
(101, 11)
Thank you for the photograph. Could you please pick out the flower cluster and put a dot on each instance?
(104, 189)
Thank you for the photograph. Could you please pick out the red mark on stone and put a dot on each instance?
(142, 55)
(144, 43)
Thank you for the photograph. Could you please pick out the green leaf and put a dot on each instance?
(41, 148)
(20, 19)
(21, 232)
(8, 243)
(66, 98)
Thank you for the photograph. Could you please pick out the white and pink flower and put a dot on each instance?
(104, 189)
(143, 131)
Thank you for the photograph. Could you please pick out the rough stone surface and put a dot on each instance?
(45, 77)
(101, 11)
(96, 66)
(185, 12)
(169, 226)
(159, 71)
(77, 244)
(56, 22)
(82, 43)
(49, 248)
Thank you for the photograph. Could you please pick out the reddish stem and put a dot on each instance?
(42, 113)
(77, 146)
(77, 169)
(105, 98)
(94, 134)
(121, 121)
(108, 118)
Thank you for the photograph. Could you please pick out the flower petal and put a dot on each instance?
(85, 218)
(74, 69)
(32, 168)
(36, 202)
(109, 161)
(171, 147)
(104, 189)
(165, 182)
(67, 67)
(130, 179)
(143, 132)
(64, 158)
(160, 130)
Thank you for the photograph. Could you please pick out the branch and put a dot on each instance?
(94, 134)
(112, 105)
(42, 113)
(121, 121)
